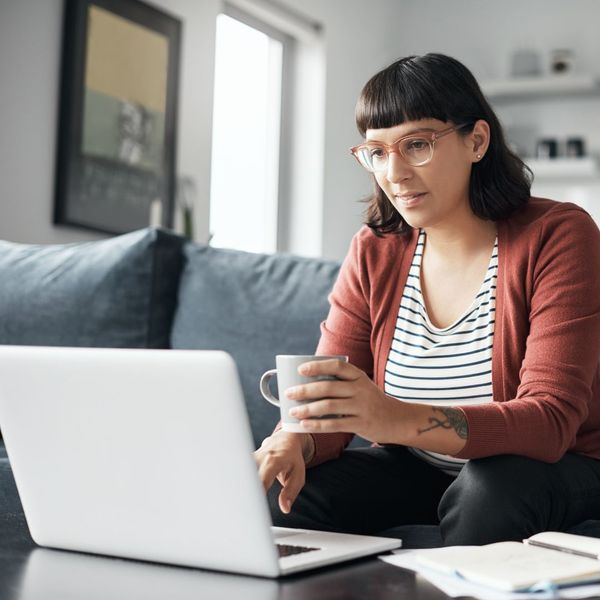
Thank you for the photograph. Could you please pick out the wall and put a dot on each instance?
(360, 38)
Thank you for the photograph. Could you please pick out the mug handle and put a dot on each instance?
(265, 390)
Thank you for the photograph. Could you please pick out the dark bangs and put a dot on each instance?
(404, 91)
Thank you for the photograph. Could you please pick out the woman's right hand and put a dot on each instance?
(283, 456)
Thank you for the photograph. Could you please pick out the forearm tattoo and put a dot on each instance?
(452, 419)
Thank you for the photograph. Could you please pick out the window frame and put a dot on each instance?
(284, 183)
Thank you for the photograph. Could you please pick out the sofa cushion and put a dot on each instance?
(118, 292)
(253, 306)
(9, 498)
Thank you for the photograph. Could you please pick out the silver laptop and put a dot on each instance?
(147, 454)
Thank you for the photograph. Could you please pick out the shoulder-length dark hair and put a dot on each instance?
(435, 86)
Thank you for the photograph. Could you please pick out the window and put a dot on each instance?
(246, 147)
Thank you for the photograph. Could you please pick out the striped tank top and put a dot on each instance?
(445, 367)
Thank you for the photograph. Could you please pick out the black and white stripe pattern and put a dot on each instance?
(445, 367)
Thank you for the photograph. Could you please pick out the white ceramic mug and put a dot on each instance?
(287, 377)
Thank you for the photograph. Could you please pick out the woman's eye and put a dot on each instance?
(416, 145)
(376, 152)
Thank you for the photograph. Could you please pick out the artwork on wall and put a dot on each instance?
(115, 169)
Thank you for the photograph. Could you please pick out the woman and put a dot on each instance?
(470, 313)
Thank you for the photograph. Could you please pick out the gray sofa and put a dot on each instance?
(153, 289)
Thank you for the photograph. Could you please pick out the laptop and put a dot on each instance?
(147, 454)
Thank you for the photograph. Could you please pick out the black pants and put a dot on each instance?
(368, 490)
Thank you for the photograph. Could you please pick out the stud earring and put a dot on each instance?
(478, 156)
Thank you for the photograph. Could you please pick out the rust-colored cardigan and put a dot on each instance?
(545, 361)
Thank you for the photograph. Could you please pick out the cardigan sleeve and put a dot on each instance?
(563, 348)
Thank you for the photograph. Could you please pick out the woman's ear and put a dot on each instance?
(479, 139)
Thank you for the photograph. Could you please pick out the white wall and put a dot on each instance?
(360, 38)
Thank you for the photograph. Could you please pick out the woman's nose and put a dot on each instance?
(397, 169)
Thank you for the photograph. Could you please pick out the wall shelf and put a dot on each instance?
(523, 88)
(586, 166)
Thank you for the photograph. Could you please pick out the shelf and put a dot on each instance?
(524, 88)
(564, 167)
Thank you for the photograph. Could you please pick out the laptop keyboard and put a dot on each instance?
(287, 550)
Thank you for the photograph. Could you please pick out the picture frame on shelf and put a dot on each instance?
(116, 142)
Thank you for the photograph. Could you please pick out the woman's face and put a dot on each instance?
(438, 192)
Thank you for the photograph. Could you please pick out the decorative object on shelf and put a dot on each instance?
(551, 148)
(546, 148)
(525, 63)
(561, 60)
(186, 199)
(575, 147)
(118, 115)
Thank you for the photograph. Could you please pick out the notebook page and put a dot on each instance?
(510, 565)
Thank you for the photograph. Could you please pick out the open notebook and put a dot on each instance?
(545, 560)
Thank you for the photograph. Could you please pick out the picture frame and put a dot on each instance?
(117, 125)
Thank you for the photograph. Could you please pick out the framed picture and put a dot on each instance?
(115, 167)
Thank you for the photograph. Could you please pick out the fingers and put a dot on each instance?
(320, 408)
(292, 482)
(320, 389)
(268, 471)
(281, 456)
(338, 368)
(340, 424)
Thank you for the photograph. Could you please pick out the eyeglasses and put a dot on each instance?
(415, 149)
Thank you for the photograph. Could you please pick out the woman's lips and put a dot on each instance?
(410, 201)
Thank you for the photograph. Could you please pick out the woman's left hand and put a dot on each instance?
(355, 403)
